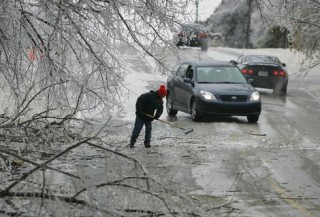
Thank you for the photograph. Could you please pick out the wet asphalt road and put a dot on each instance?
(274, 172)
(271, 168)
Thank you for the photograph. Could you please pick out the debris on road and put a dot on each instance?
(257, 134)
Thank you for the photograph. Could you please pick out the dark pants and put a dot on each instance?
(138, 124)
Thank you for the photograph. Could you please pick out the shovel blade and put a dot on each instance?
(187, 131)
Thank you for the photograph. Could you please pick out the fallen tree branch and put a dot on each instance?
(38, 165)
(137, 162)
(24, 176)
(43, 195)
(56, 197)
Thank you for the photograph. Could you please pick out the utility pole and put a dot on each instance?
(197, 11)
(248, 23)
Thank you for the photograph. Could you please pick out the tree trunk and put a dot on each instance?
(248, 23)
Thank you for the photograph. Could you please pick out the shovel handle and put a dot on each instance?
(186, 131)
(150, 116)
(171, 124)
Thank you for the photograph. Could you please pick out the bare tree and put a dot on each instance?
(60, 67)
(300, 20)
(60, 59)
(248, 24)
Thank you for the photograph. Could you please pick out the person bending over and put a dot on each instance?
(146, 106)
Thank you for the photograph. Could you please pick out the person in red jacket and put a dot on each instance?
(149, 106)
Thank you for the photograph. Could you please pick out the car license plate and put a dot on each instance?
(263, 73)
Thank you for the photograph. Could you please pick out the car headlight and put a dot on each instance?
(207, 96)
(255, 96)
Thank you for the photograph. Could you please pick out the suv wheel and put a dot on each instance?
(204, 44)
(179, 43)
(170, 110)
(194, 111)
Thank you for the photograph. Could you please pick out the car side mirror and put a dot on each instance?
(250, 80)
(234, 62)
(188, 81)
(283, 64)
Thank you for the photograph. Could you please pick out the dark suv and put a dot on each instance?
(211, 89)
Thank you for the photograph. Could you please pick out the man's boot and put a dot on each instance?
(147, 144)
(131, 145)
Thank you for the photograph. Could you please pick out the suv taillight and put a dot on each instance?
(202, 35)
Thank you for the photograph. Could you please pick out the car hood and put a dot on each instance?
(226, 89)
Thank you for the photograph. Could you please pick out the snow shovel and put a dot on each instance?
(186, 131)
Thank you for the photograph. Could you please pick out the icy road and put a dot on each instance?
(270, 168)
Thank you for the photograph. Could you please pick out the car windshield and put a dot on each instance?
(219, 74)
(262, 59)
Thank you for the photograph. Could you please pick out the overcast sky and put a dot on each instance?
(206, 8)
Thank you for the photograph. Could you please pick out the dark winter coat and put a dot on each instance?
(148, 103)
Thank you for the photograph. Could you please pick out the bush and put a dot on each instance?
(276, 37)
